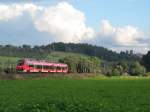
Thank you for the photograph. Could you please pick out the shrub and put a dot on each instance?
(136, 69)
(82, 64)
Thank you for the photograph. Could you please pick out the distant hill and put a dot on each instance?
(42, 52)
(56, 55)
(90, 50)
(6, 61)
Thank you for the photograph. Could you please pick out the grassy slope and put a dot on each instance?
(68, 95)
(54, 56)
(4, 60)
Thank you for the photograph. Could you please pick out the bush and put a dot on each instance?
(115, 72)
(10, 70)
(82, 64)
(136, 69)
(1, 69)
(146, 74)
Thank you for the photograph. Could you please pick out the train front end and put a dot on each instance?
(20, 67)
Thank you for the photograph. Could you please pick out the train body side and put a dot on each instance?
(27, 65)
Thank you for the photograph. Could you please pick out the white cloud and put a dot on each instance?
(64, 22)
(8, 12)
(126, 37)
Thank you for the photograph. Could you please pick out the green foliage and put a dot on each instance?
(77, 62)
(8, 67)
(56, 95)
(7, 59)
(146, 61)
(147, 74)
(123, 68)
(22, 51)
(82, 64)
(115, 72)
(1, 69)
(136, 69)
(41, 52)
(56, 56)
(91, 50)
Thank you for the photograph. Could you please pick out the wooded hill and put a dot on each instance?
(81, 58)
(42, 51)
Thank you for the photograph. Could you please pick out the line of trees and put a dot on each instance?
(132, 68)
(99, 59)
(146, 61)
(43, 51)
(81, 64)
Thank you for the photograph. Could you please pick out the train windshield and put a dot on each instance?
(20, 62)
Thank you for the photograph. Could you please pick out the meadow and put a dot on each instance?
(75, 95)
(5, 60)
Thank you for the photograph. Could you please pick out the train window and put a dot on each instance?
(39, 66)
(64, 68)
(31, 65)
(51, 67)
(59, 68)
(46, 67)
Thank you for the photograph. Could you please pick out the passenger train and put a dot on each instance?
(41, 66)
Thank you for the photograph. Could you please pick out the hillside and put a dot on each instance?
(5, 60)
(43, 51)
(53, 56)
(76, 62)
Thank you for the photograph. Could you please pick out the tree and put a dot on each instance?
(1, 69)
(115, 72)
(82, 48)
(136, 69)
(82, 64)
(146, 61)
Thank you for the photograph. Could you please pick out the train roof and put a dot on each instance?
(43, 62)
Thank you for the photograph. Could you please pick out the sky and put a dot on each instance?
(115, 24)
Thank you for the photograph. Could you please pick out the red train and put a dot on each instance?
(35, 66)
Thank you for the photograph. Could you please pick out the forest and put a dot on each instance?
(81, 58)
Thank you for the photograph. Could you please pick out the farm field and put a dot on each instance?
(4, 60)
(75, 95)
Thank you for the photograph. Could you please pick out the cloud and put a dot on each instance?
(125, 37)
(62, 21)
(18, 1)
(8, 12)
(65, 23)
(22, 31)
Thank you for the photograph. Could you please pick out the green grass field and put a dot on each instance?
(6, 61)
(80, 95)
